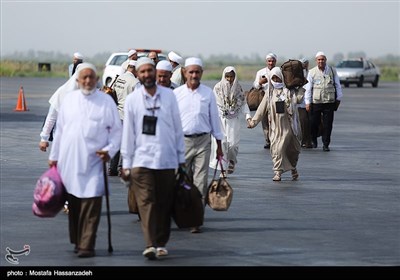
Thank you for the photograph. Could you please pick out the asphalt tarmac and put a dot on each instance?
(343, 211)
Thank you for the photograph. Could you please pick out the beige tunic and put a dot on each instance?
(284, 128)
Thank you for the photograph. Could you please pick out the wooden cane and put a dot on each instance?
(110, 248)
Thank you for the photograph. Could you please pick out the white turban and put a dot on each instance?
(132, 63)
(142, 61)
(270, 55)
(320, 54)
(131, 52)
(175, 57)
(85, 65)
(78, 55)
(193, 61)
(164, 65)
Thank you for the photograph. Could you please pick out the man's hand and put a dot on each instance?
(308, 107)
(103, 155)
(43, 145)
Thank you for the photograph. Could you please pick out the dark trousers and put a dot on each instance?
(326, 111)
(84, 217)
(154, 192)
(115, 162)
(305, 123)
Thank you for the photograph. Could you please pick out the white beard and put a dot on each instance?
(87, 91)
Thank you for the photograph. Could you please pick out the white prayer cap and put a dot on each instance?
(320, 54)
(270, 55)
(304, 60)
(132, 63)
(78, 55)
(164, 65)
(193, 61)
(85, 65)
(142, 61)
(131, 52)
(175, 57)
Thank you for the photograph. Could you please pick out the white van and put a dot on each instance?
(113, 64)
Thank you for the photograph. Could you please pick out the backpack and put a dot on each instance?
(293, 75)
(50, 195)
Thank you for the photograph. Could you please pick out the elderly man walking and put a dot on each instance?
(199, 115)
(322, 97)
(88, 133)
(152, 149)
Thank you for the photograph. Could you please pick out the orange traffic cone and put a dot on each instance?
(21, 103)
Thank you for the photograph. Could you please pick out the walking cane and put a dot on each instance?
(110, 248)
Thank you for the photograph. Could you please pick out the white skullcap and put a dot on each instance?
(78, 55)
(132, 63)
(175, 57)
(142, 61)
(303, 60)
(270, 55)
(131, 52)
(85, 65)
(193, 61)
(320, 54)
(164, 65)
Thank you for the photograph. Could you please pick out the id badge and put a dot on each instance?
(280, 107)
(149, 125)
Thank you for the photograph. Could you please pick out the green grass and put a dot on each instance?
(10, 68)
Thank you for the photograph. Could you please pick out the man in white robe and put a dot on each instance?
(152, 149)
(88, 134)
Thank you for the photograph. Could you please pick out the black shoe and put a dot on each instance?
(266, 146)
(315, 144)
(326, 148)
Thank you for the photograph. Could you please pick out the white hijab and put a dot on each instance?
(70, 85)
(225, 91)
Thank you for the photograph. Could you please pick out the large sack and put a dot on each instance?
(254, 97)
(293, 74)
(219, 194)
(50, 195)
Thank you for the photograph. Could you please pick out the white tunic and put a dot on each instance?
(165, 149)
(85, 124)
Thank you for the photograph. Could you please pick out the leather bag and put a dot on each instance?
(219, 193)
(188, 208)
(293, 75)
(254, 97)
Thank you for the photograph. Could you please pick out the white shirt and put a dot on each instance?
(166, 149)
(198, 110)
(85, 124)
(262, 72)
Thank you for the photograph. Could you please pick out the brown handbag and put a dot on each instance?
(219, 193)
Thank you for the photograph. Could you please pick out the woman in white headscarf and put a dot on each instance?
(231, 103)
(284, 126)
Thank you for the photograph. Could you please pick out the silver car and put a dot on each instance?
(358, 71)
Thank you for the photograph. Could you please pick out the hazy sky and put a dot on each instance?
(288, 28)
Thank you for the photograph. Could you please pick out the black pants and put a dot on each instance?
(326, 111)
(115, 163)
